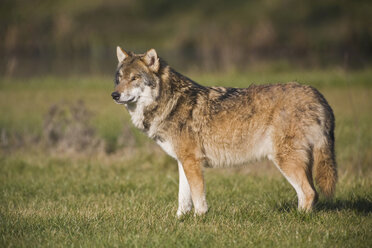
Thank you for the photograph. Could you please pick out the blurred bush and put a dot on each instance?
(81, 35)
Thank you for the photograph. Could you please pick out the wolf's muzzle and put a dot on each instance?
(115, 95)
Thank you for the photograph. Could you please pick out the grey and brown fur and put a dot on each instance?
(290, 124)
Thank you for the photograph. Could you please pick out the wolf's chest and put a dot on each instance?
(167, 147)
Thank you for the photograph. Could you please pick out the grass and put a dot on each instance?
(86, 203)
(130, 198)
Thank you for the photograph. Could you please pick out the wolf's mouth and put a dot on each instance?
(129, 100)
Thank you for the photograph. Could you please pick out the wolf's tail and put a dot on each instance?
(325, 168)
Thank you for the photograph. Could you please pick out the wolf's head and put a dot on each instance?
(136, 80)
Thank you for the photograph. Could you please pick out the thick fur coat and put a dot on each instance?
(290, 124)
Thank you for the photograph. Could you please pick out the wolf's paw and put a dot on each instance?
(200, 211)
(201, 207)
(182, 211)
(184, 207)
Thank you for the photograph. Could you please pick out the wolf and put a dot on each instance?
(290, 124)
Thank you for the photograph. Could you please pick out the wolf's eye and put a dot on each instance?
(133, 78)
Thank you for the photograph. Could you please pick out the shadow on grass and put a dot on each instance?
(360, 205)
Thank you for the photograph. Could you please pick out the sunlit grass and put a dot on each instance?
(86, 203)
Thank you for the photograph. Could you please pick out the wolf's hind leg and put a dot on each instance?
(184, 193)
(296, 168)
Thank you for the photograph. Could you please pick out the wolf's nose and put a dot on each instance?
(115, 95)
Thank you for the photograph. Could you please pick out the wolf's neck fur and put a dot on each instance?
(148, 115)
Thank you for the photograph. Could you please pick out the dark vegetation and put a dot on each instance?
(80, 36)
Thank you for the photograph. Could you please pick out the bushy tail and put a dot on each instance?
(325, 168)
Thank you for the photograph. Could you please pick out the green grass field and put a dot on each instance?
(123, 193)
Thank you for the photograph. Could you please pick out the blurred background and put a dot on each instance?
(79, 36)
(58, 60)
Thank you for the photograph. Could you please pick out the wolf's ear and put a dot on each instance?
(121, 54)
(152, 60)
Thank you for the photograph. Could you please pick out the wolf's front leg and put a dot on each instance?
(184, 193)
(194, 175)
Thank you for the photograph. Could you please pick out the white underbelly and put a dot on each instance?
(228, 154)
(224, 155)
